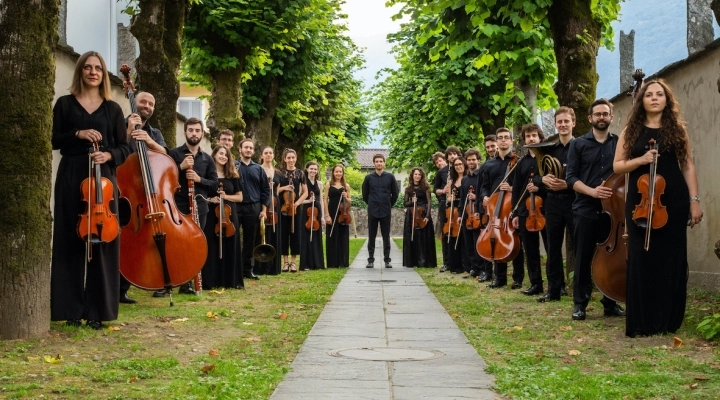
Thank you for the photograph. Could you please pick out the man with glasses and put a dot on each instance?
(590, 163)
(493, 178)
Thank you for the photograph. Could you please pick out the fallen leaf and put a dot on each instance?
(253, 339)
(677, 342)
(580, 340)
(211, 315)
(53, 360)
(518, 328)
(207, 368)
(214, 353)
(574, 352)
(539, 354)
(133, 379)
(281, 315)
(701, 378)
(455, 315)
(252, 283)
(247, 323)
(113, 328)
(218, 291)
(566, 328)
(32, 358)
(180, 320)
(694, 386)
(567, 360)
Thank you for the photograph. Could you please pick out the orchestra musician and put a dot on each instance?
(468, 197)
(440, 186)
(558, 206)
(657, 277)
(311, 251)
(485, 266)
(493, 178)
(272, 228)
(82, 289)
(337, 243)
(522, 188)
(455, 244)
(293, 192)
(225, 271)
(379, 192)
(418, 240)
(589, 164)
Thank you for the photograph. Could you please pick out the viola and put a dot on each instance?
(609, 264)
(419, 219)
(98, 224)
(499, 241)
(344, 217)
(650, 186)
(272, 217)
(471, 223)
(313, 218)
(451, 226)
(161, 247)
(288, 207)
(535, 220)
(224, 226)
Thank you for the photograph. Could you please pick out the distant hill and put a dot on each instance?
(660, 39)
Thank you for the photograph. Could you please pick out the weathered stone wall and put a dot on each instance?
(694, 83)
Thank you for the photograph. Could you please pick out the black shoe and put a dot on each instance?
(370, 265)
(615, 311)
(161, 293)
(125, 299)
(516, 285)
(388, 265)
(548, 297)
(563, 292)
(533, 290)
(485, 277)
(474, 273)
(94, 324)
(186, 289)
(496, 284)
(579, 313)
(250, 275)
(73, 322)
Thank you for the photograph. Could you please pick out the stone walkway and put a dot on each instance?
(384, 335)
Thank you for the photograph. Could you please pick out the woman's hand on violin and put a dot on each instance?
(214, 200)
(696, 213)
(328, 220)
(345, 195)
(471, 196)
(516, 222)
(601, 192)
(221, 194)
(505, 187)
(647, 158)
(91, 135)
(101, 157)
(485, 201)
(532, 188)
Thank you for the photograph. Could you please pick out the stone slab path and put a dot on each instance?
(384, 335)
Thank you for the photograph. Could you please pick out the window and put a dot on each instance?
(191, 108)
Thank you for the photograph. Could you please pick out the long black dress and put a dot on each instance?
(456, 244)
(337, 244)
(657, 279)
(272, 235)
(290, 239)
(420, 251)
(80, 291)
(311, 252)
(225, 272)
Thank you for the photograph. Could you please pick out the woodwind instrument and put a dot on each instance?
(196, 218)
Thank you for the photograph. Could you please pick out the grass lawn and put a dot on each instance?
(231, 344)
(536, 351)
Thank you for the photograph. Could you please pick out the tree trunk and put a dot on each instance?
(296, 142)
(576, 37)
(260, 129)
(489, 123)
(226, 100)
(158, 28)
(28, 34)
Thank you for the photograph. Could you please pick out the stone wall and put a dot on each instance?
(694, 82)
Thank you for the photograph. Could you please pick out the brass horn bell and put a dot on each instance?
(263, 252)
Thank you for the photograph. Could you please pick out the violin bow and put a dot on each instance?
(462, 216)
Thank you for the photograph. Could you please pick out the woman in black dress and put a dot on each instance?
(82, 289)
(337, 237)
(418, 246)
(458, 169)
(272, 230)
(657, 278)
(311, 253)
(225, 271)
(292, 180)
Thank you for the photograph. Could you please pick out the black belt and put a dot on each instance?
(560, 195)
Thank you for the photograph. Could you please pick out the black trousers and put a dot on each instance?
(471, 258)
(248, 214)
(558, 216)
(587, 233)
(441, 222)
(372, 233)
(531, 244)
(518, 269)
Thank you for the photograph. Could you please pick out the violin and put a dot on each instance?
(224, 226)
(98, 224)
(535, 220)
(451, 226)
(650, 186)
(313, 220)
(272, 217)
(344, 217)
(499, 241)
(471, 223)
(288, 207)
(418, 218)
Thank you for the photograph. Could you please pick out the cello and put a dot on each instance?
(499, 241)
(156, 240)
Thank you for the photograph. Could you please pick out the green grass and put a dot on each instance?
(531, 348)
(232, 344)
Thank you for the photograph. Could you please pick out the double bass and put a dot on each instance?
(499, 241)
(161, 248)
